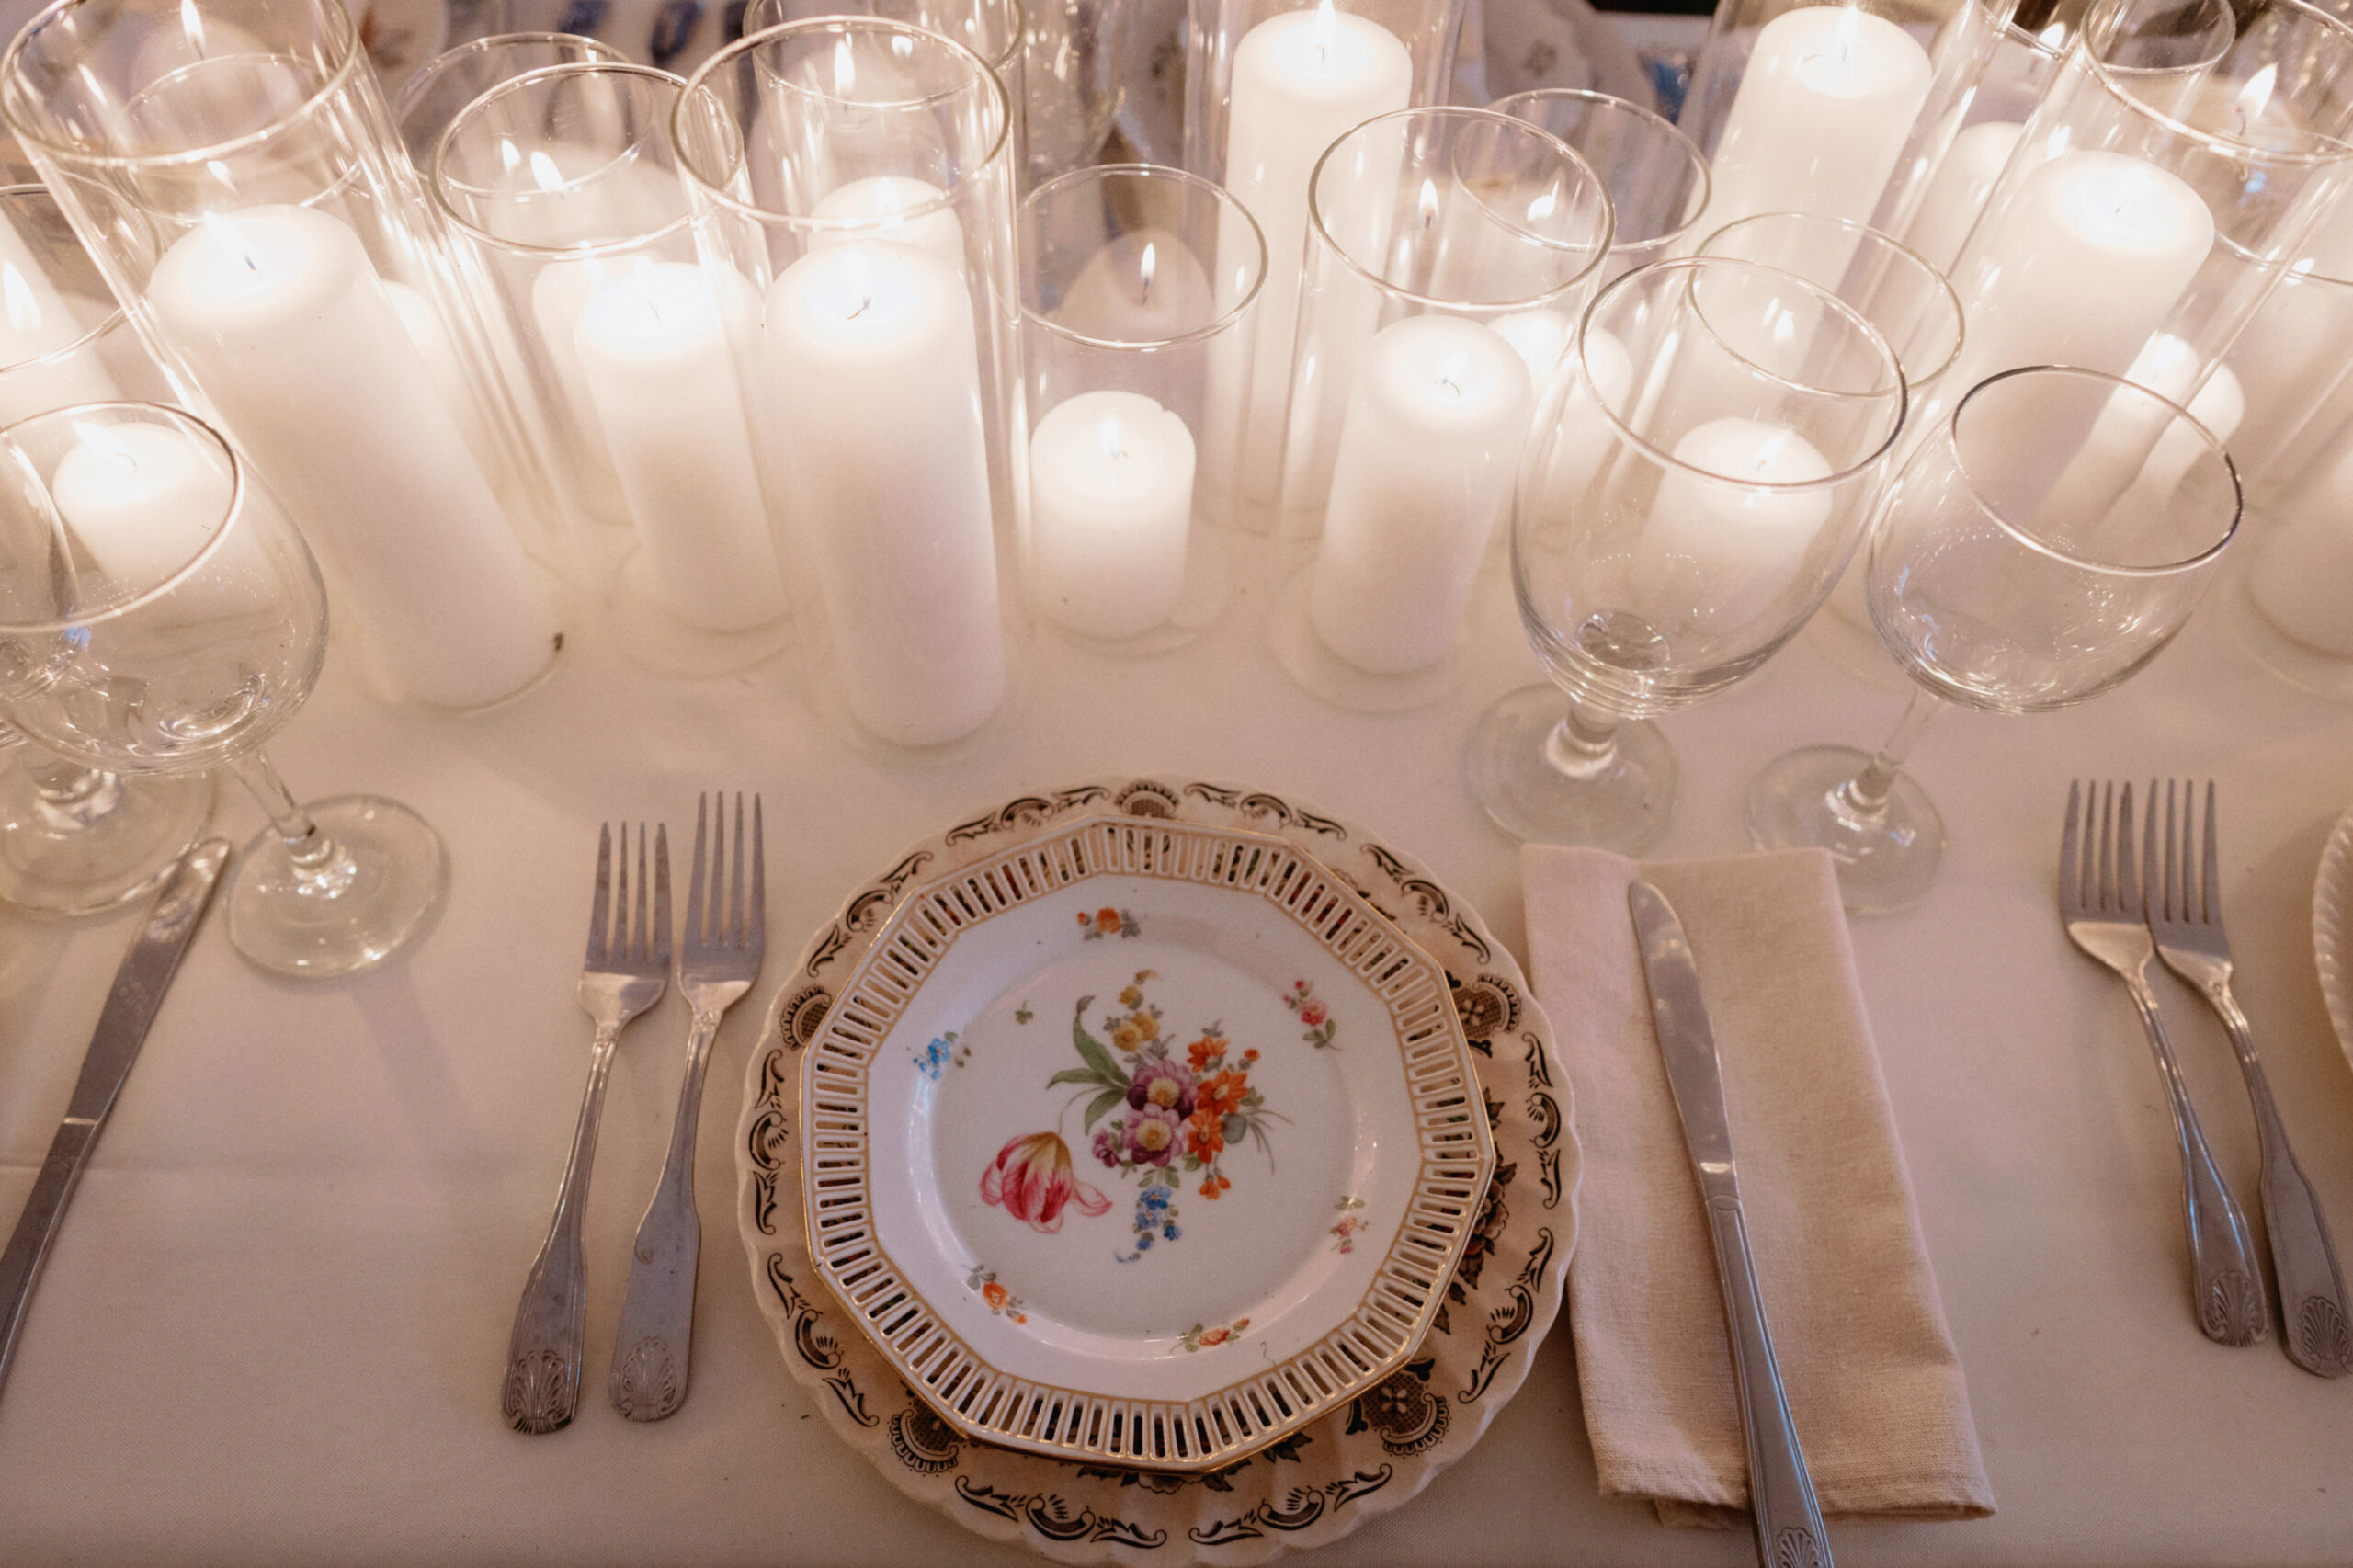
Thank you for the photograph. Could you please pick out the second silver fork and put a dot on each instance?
(2186, 918)
(719, 958)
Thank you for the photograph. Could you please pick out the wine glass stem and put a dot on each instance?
(1582, 747)
(1866, 793)
(313, 852)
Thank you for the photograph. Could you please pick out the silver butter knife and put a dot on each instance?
(1789, 1520)
(130, 1007)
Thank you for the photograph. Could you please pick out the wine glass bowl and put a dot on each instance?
(1701, 473)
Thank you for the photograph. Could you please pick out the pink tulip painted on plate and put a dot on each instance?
(1032, 1178)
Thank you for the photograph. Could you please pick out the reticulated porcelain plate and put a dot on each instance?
(1140, 1143)
(2332, 929)
(1359, 1460)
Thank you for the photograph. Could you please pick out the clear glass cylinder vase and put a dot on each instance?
(566, 202)
(855, 177)
(442, 88)
(258, 217)
(1130, 453)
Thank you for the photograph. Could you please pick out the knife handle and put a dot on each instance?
(28, 1248)
(1780, 1493)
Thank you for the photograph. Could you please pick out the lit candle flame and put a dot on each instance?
(544, 173)
(1113, 447)
(24, 305)
(1324, 31)
(1429, 203)
(844, 70)
(1145, 272)
(1543, 206)
(2053, 38)
(2254, 99)
(510, 157)
(110, 446)
(227, 235)
(192, 24)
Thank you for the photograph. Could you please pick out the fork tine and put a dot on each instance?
(694, 877)
(2128, 876)
(603, 892)
(2166, 892)
(2071, 874)
(2211, 879)
(616, 950)
(735, 921)
(759, 925)
(661, 956)
(2107, 895)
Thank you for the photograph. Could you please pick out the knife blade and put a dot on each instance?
(130, 1005)
(1789, 1533)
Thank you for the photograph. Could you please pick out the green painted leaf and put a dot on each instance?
(1101, 1104)
(1107, 1071)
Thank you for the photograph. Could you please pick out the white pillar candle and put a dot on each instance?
(1538, 337)
(431, 340)
(38, 325)
(559, 294)
(142, 499)
(2082, 267)
(2302, 575)
(654, 355)
(1301, 81)
(1436, 416)
(281, 319)
(1110, 510)
(1957, 194)
(1144, 287)
(877, 377)
(1823, 111)
(1575, 402)
(1724, 546)
(886, 201)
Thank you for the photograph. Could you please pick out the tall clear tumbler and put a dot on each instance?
(159, 614)
(854, 175)
(1699, 490)
(234, 172)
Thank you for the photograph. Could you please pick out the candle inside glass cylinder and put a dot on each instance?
(1436, 416)
(144, 500)
(2303, 576)
(893, 207)
(1828, 97)
(38, 325)
(653, 354)
(1956, 196)
(1722, 540)
(1110, 511)
(1146, 287)
(876, 371)
(281, 319)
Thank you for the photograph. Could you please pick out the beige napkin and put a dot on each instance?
(1873, 1383)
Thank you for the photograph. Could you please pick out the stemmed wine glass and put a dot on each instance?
(159, 614)
(2042, 545)
(1702, 474)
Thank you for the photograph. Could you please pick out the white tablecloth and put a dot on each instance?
(273, 1328)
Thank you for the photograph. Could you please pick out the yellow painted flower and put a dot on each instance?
(1130, 997)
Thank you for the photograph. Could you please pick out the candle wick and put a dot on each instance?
(864, 305)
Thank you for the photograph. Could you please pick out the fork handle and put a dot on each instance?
(541, 1389)
(2312, 1288)
(2228, 1281)
(655, 1342)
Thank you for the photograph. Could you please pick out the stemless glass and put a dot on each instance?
(1999, 580)
(1699, 488)
(1656, 178)
(158, 613)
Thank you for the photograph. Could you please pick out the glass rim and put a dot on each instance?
(114, 317)
(1229, 206)
(2117, 80)
(426, 75)
(1702, 183)
(1644, 276)
(11, 451)
(2025, 537)
(1015, 49)
(433, 181)
(809, 222)
(341, 31)
(1443, 112)
(1878, 239)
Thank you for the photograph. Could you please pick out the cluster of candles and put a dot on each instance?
(349, 390)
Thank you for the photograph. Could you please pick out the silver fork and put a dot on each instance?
(628, 963)
(717, 960)
(2186, 920)
(2106, 916)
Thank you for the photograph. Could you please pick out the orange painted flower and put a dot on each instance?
(1220, 1094)
(1107, 922)
(1204, 1137)
(1198, 1054)
(1031, 1177)
(995, 1295)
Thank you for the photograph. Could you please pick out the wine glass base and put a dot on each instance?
(1509, 763)
(1885, 863)
(95, 855)
(385, 888)
(1320, 672)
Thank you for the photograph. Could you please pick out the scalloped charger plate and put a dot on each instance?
(2332, 929)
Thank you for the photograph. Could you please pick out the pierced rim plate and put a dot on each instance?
(1140, 1143)
(1309, 1489)
(2332, 929)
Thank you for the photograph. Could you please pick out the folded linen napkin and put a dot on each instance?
(1874, 1385)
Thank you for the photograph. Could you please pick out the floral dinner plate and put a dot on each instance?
(1361, 1459)
(1141, 1142)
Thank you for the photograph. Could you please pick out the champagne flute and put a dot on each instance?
(160, 614)
(2042, 545)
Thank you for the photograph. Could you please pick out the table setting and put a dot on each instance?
(1204, 1059)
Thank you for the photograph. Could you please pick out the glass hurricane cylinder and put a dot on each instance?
(2164, 186)
(74, 839)
(565, 200)
(855, 175)
(1809, 107)
(1450, 253)
(445, 85)
(1656, 178)
(272, 242)
(1686, 507)
(1130, 458)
